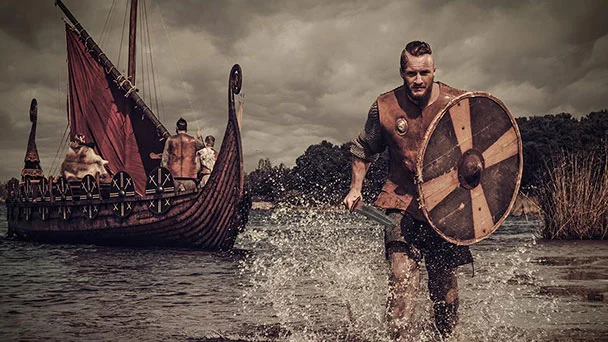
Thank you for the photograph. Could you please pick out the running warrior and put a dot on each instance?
(398, 120)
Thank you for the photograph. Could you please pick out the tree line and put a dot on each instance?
(322, 174)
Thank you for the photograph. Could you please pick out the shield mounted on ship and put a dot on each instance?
(469, 168)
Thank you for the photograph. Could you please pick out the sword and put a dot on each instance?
(372, 213)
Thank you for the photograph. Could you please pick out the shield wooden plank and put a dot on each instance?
(469, 168)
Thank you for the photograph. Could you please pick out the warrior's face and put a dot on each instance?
(418, 76)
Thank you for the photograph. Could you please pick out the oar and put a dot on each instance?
(372, 213)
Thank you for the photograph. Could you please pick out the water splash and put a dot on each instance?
(321, 275)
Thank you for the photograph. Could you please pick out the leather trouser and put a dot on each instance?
(404, 279)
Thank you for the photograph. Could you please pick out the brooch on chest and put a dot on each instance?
(401, 126)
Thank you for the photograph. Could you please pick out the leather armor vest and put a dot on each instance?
(394, 107)
(182, 156)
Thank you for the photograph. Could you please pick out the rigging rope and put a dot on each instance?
(122, 36)
(151, 58)
(104, 32)
(178, 66)
(145, 70)
(62, 143)
(141, 64)
(143, 76)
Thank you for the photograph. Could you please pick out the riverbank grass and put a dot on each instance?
(574, 197)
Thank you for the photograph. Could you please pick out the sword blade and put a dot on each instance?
(374, 214)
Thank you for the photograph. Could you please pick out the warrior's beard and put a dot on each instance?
(422, 99)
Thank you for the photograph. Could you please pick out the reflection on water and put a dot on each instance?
(296, 276)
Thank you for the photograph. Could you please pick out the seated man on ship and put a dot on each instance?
(179, 156)
(206, 158)
(81, 159)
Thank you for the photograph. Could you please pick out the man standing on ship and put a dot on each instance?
(206, 158)
(398, 120)
(179, 156)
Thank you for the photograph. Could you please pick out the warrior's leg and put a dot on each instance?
(404, 281)
(443, 288)
(404, 278)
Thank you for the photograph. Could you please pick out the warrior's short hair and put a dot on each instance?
(210, 139)
(414, 48)
(182, 125)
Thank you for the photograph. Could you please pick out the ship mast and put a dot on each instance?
(132, 41)
(123, 83)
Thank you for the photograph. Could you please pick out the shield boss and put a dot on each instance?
(469, 168)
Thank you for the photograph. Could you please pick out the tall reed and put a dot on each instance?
(574, 197)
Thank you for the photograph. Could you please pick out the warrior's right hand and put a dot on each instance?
(352, 199)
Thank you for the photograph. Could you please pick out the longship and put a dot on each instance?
(138, 202)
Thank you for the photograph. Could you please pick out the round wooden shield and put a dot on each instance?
(122, 187)
(62, 190)
(469, 168)
(44, 190)
(65, 212)
(160, 181)
(43, 211)
(27, 213)
(90, 211)
(89, 187)
(28, 189)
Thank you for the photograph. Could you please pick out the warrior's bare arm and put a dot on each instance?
(199, 141)
(359, 170)
(364, 149)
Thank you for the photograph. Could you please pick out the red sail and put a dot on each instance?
(98, 110)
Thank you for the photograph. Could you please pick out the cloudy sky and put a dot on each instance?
(311, 68)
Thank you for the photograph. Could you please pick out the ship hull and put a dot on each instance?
(207, 218)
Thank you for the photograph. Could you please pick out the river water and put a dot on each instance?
(296, 275)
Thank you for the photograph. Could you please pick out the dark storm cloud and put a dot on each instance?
(33, 22)
(226, 22)
(12, 131)
(311, 68)
(21, 20)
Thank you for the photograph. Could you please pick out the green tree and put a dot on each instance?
(3, 191)
(594, 132)
(545, 137)
(267, 182)
(322, 173)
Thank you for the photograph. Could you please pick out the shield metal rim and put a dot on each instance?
(420, 166)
